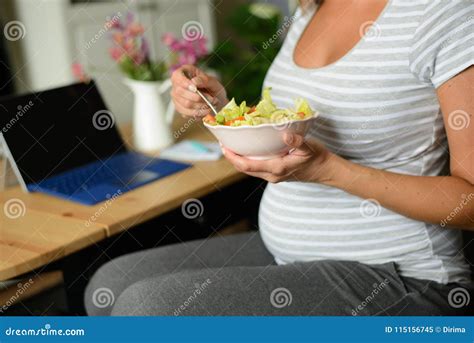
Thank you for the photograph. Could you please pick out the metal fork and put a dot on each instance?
(196, 90)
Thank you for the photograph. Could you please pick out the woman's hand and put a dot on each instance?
(186, 101)
(309, 161)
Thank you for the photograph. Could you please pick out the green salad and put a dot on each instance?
(265, 112)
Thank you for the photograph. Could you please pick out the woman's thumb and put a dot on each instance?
(293, 140)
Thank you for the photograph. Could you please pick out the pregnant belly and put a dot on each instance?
(305, 222)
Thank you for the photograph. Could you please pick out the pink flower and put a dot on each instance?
(116, 53)
(78, 72)
(202, 46)
(118, 37)
(129, 45)
(135, 29)
(184, 51)
(177, 46)
(129, 18)
(168, 39)
(128, 40)
(137, 57)
(113, 23)
(144, 47)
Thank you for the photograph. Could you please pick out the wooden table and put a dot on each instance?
(32, 241)
(51, 228)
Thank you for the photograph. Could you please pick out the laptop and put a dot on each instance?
(64, 142)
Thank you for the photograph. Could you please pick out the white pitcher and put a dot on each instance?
(152, 117)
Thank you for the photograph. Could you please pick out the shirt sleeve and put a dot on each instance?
(443, 44)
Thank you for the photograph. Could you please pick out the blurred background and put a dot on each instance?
(49, 43)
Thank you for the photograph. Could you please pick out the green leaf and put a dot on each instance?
(148, 71)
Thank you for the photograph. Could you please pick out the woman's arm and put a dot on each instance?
(426, 198)
(429, 199)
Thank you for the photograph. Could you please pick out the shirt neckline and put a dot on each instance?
(346, 55)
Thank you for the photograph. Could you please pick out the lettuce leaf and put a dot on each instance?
(303, 106)
(229, 112)
(265, 112)
(266, 106)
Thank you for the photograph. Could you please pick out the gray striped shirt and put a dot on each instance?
(378, 107)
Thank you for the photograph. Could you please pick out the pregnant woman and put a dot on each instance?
(363, 217)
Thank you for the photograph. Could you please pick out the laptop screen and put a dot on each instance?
(54, 131)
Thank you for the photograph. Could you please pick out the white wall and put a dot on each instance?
(45, 48)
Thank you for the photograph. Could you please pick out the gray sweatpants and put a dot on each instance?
(236, 275)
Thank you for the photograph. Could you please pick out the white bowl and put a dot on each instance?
(260, 142)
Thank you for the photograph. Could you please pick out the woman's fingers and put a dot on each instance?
(245, 165)
(190, 102)
(211, 85)
(185, 94)
(301, 146)
(190, 78)
(186, 80)
(191, 96)
(294, 140)
(201, 80)
(181, 77)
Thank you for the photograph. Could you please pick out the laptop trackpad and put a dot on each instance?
(135, 180)
(125, 183)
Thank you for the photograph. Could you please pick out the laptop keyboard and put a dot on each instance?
(82, 178)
